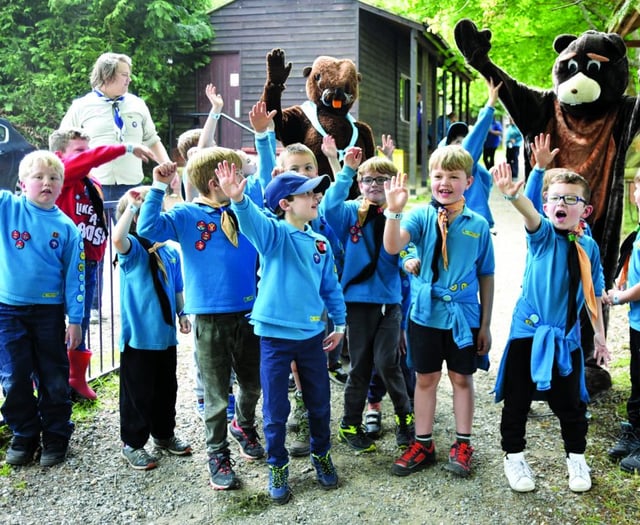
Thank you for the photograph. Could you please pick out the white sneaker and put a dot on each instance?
(518, 473)
(579, 478)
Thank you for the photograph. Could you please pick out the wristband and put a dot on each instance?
(158, 185)
(261, 134)
(340, 328)
(616, 299)
(130, 148)
(133, 209)
(214, 116)
(511, 197)
(393, 215)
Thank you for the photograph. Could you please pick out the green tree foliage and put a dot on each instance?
(523, 31)
(49, 47)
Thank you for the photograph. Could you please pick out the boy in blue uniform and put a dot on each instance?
(42, 280)
(446, 320)
(297, 269)
(627, 290)
(151, 299)
(373, 294)
(220, 265)
(543, 353)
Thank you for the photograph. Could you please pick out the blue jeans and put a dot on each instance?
(90, 281)
(32, 347)
(275, 364)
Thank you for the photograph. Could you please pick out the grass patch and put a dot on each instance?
(247, 504)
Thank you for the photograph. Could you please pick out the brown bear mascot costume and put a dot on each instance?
(589, 118)
(332, 89)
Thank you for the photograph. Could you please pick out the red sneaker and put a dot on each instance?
(415, 458)
(460, 459)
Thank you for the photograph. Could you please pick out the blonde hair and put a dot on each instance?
(451, 158)
(201, 166)
(39, 157)
(187, 140)
(377, 165)
(106, 68)
(565, 176)
(60, 138)
(297, 148)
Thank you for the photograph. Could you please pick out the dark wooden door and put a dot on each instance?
(223, 72)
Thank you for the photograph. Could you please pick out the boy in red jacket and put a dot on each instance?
(81, 199)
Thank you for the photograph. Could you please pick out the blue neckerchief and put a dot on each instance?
(117, 118)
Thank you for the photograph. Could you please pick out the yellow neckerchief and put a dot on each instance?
(365, 212)
(227, 222)
(443, 223)
(585, 272)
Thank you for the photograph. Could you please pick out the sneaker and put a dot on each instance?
(415, 458)
(221, 475)
(518, 472)
(138, 458)
(337, 374)
(292, 383)
(231, 408)
(298, 411)
(373, 423)
(631, 463)
(405, 430)
(53, 452)
(247, 438)
(301, 443)
(173, 445)
(200, 408)
(579, 478)
(628, 441)
(355, 437)
(21, 450)
(279, 490)
(460, 459)
(325, 471)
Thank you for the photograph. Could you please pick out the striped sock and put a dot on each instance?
(425, 440)
(463, 438)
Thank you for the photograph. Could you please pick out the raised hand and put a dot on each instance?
(260, 118)
(541, 149)
(353, 157)
(396, 192)
(329, 147)
(216, 100)
(494, 91)
(228, 181)
(388, 147)
(472, 43)
(502, 178)
(165, 172)
(277, 70)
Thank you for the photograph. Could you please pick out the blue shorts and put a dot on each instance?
(430, 347)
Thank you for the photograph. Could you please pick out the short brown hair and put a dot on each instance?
(60, 138)
(451, 158)
(187, 140)
(201, 166)
(377, 165)
(297, 148)
(565, 176)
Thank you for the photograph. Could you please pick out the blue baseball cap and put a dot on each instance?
(290, 183)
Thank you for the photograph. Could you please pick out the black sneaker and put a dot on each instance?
(415, 458)
(21, 450)
(221, 475)
(631, 463)
(405, 430)
(247, 438)
(338, 375)
(628, 441)
(173, 445)
(139, 458)
(355, 437)
(53, 452)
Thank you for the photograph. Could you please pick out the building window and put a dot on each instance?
(404, 90)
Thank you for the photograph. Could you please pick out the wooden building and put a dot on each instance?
(397, 58)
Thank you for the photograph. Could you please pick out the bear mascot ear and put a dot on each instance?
(561, 42)
(306, 71)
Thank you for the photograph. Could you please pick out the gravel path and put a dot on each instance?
(95, 486)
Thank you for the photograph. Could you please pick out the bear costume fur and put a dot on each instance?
(588, 117)
(332, 89)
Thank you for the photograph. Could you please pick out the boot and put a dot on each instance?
(78, 363)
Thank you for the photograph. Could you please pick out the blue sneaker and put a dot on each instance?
(279, 490)
(231, 408)
(325, 471)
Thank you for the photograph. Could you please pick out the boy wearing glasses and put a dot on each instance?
(543, 352)
(373, 295)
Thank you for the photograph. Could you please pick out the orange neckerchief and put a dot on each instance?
(227, 221)
(368, 210)
(585, 273)
(443, 224)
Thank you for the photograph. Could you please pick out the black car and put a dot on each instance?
(13, 147)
